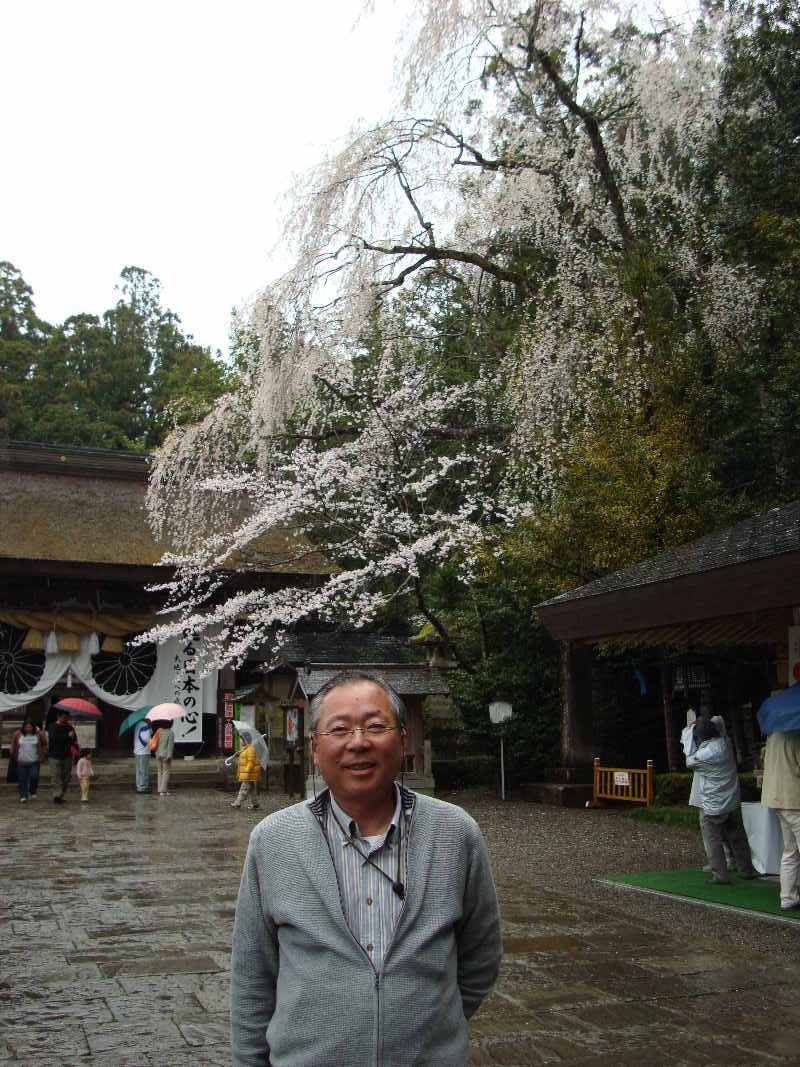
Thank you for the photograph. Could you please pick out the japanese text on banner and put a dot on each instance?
(187, 693)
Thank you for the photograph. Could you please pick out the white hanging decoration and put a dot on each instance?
(51, 648)
(94, 644)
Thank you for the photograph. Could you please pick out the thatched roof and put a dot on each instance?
(87, 506)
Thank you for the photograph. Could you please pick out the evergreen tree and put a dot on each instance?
(119, 381)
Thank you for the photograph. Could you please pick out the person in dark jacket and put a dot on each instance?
(63, 744)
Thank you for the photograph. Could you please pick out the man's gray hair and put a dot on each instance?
(354, 677)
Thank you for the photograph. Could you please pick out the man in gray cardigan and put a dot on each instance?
(367, 929)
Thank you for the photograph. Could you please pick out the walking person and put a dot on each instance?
(164, 740)
(85, 772)
(721, 807)
(248, 773)
(367, 928)
(28, 749)
(142, 735)
(61, 749)
(33, 785)
(781, 791)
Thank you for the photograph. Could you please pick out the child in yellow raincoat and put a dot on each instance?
(248, 773)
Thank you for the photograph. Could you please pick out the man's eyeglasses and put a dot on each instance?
(374, 730)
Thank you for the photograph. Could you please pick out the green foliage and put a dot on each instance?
(673, 789)
(752, 172)
(466, 772)
(119, 381)
(685, 817)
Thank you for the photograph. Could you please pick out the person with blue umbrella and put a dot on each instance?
(779, 719)
(142, 732)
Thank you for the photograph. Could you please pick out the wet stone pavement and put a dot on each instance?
(117, 919)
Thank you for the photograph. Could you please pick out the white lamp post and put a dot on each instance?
(500, 712)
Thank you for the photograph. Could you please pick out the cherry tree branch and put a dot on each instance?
(592, 127)
(436, 255)
(441, 629)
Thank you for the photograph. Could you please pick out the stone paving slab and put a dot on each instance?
(120, 915)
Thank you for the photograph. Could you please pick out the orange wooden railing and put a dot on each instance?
(623, 783)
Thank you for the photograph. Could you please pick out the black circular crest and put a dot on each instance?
(125, 672)
(20, 669)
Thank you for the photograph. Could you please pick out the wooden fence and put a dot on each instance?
(623, 783)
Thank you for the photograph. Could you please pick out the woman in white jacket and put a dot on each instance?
(721, 810)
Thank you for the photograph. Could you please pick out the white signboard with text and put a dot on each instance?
(189, 728)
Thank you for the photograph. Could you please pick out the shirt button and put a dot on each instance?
(369, 948)
(369, 900)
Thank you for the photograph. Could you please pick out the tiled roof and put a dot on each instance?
(346, 646)
(763, 536)
(318, 657)
(407, 681)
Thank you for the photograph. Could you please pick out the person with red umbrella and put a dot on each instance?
(62, 746)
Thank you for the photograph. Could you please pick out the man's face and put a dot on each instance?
(358, 766)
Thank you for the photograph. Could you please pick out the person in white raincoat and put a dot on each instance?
(721, 813)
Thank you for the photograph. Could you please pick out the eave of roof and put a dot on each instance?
(760, 537)
(68, 459)
(751, 567)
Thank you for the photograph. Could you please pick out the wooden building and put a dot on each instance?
(77, 560)
(715, 616)
(287, 682)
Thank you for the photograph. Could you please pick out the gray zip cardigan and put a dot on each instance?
(304, 993)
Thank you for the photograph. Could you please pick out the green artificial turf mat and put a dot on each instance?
(759, 895)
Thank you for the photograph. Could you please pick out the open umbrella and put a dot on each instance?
(165, 713)
(781, 712)
(79, 708)
(134, 718)
(250, 737)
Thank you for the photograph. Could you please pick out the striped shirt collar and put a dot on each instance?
(320, 805)
(351, 825)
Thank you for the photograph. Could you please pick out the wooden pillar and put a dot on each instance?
(576, 711)
(671, 736)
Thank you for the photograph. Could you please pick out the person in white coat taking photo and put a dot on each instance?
(721, 805)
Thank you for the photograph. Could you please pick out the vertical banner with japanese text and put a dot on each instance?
(186, 675)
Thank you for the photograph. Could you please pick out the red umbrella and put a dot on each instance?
(78, 706)
(165, 713)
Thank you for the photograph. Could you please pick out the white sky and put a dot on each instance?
(162, 134)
